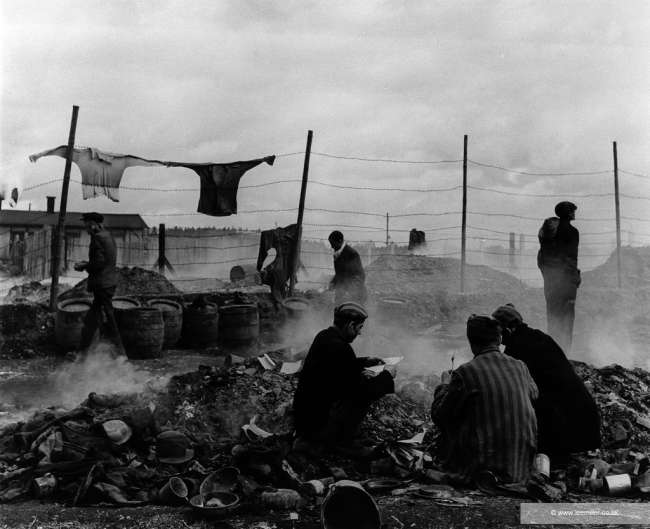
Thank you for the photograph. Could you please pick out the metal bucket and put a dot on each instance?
(349, 506)
(617, 485)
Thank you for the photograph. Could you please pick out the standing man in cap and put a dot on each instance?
(484, 409)
(334, 390)
(568, 419)
(558, 261)
(349, 275)
(102, 280)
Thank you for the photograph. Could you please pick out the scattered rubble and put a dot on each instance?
(26, 330)
(238, 416)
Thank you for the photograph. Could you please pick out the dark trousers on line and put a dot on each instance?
(102, 307)
(560, 291)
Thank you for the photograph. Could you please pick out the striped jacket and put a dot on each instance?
(487, 419)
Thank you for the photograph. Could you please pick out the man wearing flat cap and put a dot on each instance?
(557, 259)
(568, 419)
(334, 391)
(484, 410)
(102, 280)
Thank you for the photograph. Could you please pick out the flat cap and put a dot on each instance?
(351, 310)
(507, 315)
(483, 329)
(92, 216)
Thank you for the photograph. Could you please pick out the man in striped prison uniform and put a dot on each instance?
(484, 410)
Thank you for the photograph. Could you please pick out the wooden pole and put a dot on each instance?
(387, 236)
(161, 248)
(464, 226)
(618, 217)
(56, 248)
(301, 210)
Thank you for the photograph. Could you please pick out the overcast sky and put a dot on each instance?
(542, 86)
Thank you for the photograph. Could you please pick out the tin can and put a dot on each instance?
(44, 486)
(543, 465)
(618, 484)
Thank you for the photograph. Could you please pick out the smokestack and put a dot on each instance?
(50, 204)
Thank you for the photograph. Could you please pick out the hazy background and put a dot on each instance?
(539, 87)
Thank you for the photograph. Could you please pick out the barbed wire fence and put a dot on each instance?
(504, 240)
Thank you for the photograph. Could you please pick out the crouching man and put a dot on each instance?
(484, 410)
(568, 418)
(334, 390)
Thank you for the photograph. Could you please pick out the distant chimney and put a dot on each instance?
(50, 204)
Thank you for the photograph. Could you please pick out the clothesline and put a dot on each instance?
(101, 174)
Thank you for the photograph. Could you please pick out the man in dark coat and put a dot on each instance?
(568, 418)
(349, 276)
(334, 390)
(557, 259)
(484, 410)
(102, 280)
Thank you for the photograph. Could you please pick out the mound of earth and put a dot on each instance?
(406, 274)
(132, 282)
(635, 270)
(430, 287)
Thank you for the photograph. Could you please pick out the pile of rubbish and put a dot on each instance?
(221, 437)
(133, 281)
(26, 330)
(623, 396)
(133, 449)
(32, 292)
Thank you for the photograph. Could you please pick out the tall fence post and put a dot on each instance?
(56, 244)
(161, 248)
(464, 224)
(301, 210)
(387, 236)
(618, 217)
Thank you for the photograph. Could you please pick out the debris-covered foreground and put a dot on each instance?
(228, 429)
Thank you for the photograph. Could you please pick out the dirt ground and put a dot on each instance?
(397, 513)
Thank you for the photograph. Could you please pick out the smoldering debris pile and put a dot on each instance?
(133, 281)
(237, 415)
(236, 419)
(623, 396)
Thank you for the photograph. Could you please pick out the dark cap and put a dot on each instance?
(483, 329)
(507, 315)
(564, 208)
(92, 217)
(351, 311)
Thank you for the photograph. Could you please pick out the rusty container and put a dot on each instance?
(239, 324)
(201, 325)
(142, 331)
(172, 313)
(349, 506)
(69, 322)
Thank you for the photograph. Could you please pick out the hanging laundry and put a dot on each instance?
(219, 184)
(101, 172)
(278, 272)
